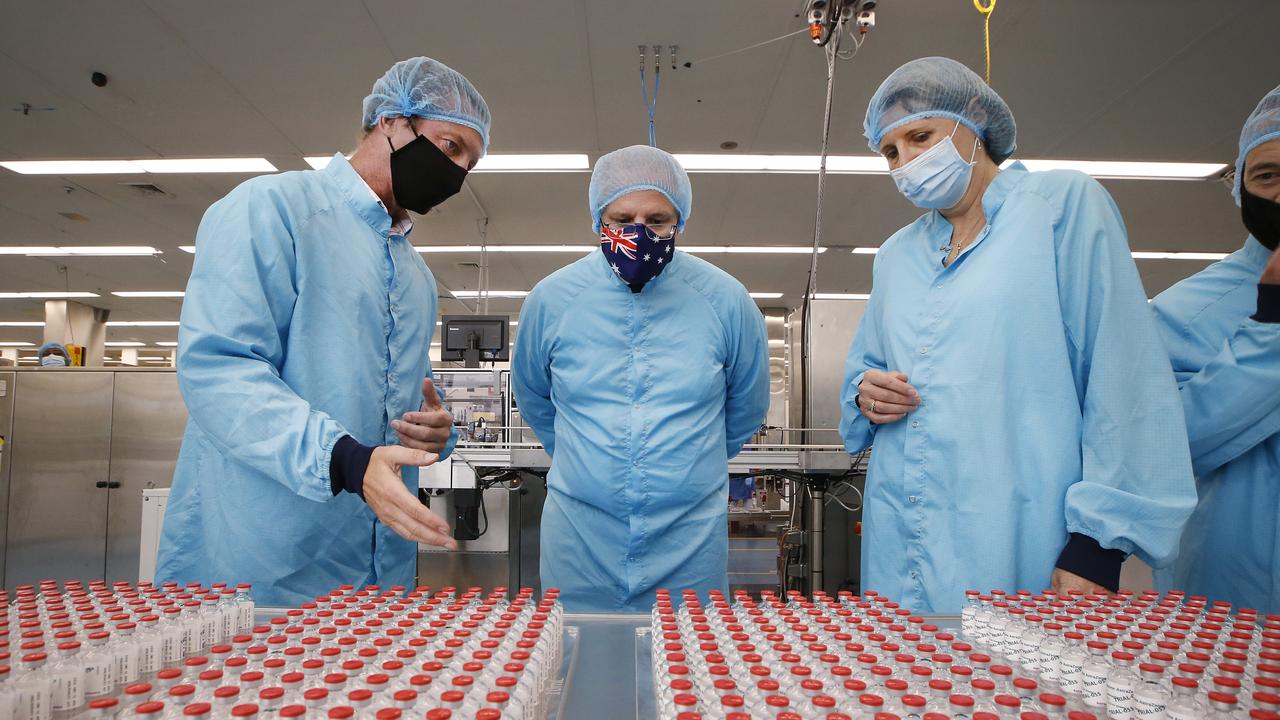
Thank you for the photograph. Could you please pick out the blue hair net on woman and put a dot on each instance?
(425, 88)
(639, 167)
(1262, 126)
(941, 87)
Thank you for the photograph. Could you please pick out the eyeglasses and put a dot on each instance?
(665, 231)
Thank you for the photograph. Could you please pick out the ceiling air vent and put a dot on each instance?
(146, 189)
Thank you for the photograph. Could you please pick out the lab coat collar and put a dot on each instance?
(992, 199)
(1255, 253)
(358, 194)
(605, 269)
(1001, 185)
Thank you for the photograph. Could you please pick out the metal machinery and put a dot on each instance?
(801, 473)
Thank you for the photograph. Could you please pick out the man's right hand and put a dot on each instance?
(395, 506)
(885, 397)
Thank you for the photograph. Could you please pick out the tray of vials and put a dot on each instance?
(1017, 656)
(105, 651)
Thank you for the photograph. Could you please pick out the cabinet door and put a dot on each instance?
(148, 419)
(60, 451)
(6, 440)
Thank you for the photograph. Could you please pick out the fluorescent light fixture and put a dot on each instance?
(167, 343)
(1178, 256)
(562, 162)
(188, 249)
(206, 165)
(841, 296)
(45, 295)
(151, 165)
(866, 250)
(15, 344)
(582, 249)
(836, 164)
(72, 167)
(766, 296)
(80, 250)
(750, 250)
(552, 162)
(579, 249)
(22, 323)
(1132, 170)
(143, 323)
(318, 162)
(149, 294)
(492, 293)
(124, 343)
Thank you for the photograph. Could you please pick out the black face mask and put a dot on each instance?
(422, 176)
(1261, 217)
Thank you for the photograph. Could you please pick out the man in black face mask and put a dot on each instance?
(1222, 328)
(303, 358)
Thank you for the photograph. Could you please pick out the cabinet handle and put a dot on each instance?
(100, 484)
(113, 484)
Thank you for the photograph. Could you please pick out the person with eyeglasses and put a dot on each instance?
(1222, 328)
(642, 370)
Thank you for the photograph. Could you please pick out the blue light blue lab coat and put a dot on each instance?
(1048, 405)
(305, 319)
(1228, 369)
(641, 399)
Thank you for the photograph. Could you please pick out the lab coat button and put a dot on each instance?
(915, 423)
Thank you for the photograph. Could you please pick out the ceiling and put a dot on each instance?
(1140, 80)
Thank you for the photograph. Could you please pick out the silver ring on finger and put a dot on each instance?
(873, 406)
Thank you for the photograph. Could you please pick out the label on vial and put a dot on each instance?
(171, 647)
(1031, 654)
(33, 703)
(1183, 711)
(1094, 686)
(127, 666)
(1069, 671)
(149, 656)
(1120, 698)
(97, 681)
(1048, 660)
(68, 691)
(1148, 707)
(191, 644)
(245, 615)
(229, 618)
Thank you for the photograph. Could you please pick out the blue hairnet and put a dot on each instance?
(49, 346)
(1262, 126)
(422, 87)
(941, 87)
(639, 167)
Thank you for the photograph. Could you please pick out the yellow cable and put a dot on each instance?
(986, 28)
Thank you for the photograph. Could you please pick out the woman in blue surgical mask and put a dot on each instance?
(1007, 368)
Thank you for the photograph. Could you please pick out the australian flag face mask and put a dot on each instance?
(636, 253)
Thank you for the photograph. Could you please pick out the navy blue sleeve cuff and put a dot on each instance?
(1268, 303)
(347, 466)
(1083, 556)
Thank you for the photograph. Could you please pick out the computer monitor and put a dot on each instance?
(475, 338)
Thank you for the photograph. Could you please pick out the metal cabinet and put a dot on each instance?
(6, 435)
(147, 420)
(81, 447)
(58, 480)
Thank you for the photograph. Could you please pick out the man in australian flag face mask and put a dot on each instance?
(642, 370)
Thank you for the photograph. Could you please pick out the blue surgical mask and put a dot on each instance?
(53, 360)
(938, 177)
(636, 253)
